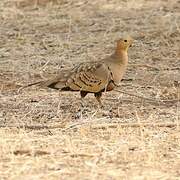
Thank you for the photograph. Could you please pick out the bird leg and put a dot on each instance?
(98, 97)
(83, 94)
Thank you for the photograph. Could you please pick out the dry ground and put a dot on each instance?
(53, 138)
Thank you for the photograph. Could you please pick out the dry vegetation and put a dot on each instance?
(44, 134)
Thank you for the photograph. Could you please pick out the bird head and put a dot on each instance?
(124, 43)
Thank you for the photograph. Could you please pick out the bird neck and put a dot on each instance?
(121, 56)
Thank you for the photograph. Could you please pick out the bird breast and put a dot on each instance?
(117, 72)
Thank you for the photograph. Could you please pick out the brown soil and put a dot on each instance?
(45, 134)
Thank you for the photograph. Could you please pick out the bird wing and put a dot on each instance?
(90, 77)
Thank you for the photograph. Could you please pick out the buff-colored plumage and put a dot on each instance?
(94, 77)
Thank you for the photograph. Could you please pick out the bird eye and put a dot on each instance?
(125, 40)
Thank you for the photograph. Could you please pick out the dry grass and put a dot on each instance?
(44, 134)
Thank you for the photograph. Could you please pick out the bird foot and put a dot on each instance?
(82, 103)
(100, 105)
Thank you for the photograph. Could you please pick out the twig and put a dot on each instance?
(153, 67)
(97, 126)
(141, 97)
(145, 65)
(75, 125)
(32, 127)
(149, 99)
(135, 125)
(39, 127)
(31, 153)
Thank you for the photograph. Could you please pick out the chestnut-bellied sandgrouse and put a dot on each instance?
(93, 77)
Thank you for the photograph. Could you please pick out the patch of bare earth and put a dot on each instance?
(45, 134)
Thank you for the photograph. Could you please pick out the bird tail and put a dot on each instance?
(29, 85)
(54, 84)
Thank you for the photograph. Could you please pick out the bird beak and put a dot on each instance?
(131, 42)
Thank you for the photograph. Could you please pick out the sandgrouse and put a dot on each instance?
(93, 77)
